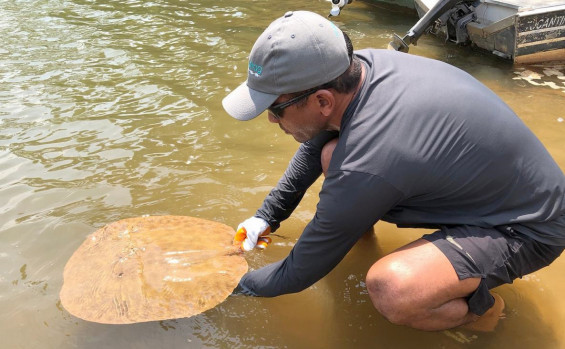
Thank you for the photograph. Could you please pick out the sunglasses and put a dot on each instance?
(277, 109)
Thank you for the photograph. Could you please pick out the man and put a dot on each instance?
(419, 143)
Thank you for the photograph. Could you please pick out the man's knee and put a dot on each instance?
(327, 153)
(391, 292)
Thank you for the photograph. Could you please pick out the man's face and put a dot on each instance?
(301, 121)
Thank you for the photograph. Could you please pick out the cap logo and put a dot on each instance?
(335, 29)
(255, 69)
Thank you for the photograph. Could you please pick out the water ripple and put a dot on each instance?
(111, 109)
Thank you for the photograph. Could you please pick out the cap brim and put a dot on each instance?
(244, 103)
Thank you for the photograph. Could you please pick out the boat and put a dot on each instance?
(524, 31)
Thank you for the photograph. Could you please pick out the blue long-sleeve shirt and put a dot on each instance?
(422, 144)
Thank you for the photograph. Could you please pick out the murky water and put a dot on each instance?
(112, 109)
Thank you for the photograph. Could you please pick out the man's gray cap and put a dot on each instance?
(296, 52)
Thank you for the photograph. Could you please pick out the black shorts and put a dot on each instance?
(496, 255)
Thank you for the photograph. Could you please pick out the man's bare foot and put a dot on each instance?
(488, 321)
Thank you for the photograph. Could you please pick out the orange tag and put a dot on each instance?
(263, 242)
(240, 235)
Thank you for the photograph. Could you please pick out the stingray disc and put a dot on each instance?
(151, 268)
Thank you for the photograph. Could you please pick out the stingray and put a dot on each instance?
(151, 268)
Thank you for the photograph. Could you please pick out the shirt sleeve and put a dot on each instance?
(350, 204)
(302, 171)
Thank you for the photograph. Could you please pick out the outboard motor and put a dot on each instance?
(337, 5)
(443, 7)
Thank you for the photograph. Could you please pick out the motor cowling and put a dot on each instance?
(337, 5)
(455, 23)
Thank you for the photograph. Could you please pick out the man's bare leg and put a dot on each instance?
(417, 286)
(326, 156)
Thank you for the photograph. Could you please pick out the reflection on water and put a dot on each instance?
(112, 109)
(550, 75)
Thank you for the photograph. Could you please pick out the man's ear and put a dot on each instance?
(326, 101)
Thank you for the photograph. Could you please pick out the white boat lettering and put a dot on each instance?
(547, 22)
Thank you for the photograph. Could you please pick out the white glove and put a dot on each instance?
(251, 230)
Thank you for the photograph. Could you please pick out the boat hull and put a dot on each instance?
(525, 31)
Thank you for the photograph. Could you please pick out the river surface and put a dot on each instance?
(112, 109)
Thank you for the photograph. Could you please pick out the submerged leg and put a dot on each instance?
(488, 321)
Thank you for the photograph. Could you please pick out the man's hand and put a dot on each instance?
(252, 233)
